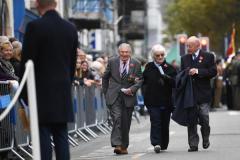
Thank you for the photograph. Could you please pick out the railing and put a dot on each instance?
(29, 78)
(90, 112)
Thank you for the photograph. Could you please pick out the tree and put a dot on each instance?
(210, 18)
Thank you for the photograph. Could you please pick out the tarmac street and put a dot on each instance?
(224, 139)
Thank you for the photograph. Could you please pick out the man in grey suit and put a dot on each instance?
(120, 82)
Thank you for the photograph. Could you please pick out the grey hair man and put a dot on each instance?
(120, 83)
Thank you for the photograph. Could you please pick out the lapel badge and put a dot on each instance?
(200, 59)
(131, 65)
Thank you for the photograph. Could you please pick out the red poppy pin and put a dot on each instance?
(200, 59)
(165, 65)
(132, 65)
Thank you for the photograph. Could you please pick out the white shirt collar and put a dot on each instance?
(197, 52)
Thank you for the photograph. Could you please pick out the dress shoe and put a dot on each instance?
(124, 150)
(193, 149)
(206, 145)
(157, 149)
(117, 150)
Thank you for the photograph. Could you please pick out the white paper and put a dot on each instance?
(123, 90)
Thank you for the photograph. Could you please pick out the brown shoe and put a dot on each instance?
(117, 150)
(124, 150)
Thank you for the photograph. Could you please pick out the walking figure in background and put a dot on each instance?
(201, 67)
(51, 43)
(120, 83)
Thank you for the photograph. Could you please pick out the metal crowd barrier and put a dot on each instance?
(13, 137)
(90, 113)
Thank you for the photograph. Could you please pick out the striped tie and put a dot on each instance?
(124, 72)
(194, 56)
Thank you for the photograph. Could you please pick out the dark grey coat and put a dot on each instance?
(186, 110)
(51, 43)
(112, 82)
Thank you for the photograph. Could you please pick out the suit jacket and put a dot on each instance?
(157, 89)
(206, 70)
(51, 43)
(112, 81)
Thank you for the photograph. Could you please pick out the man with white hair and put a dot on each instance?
(201, 66)
(120, 83)
(51, 43)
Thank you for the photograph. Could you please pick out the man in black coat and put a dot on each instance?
(202, 68)
(51, 43)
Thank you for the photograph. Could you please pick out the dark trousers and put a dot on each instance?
(203, 118)
(121, 117)
(160, 119)
(60, 139)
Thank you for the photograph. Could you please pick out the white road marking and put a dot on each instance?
(137, 156)
(233, 113)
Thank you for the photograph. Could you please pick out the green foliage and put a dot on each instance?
(212, 18)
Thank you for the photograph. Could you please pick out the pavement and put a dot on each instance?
(224, 139)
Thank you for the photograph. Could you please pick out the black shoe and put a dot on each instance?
(193, 149)
(157, 148)
(206, 145)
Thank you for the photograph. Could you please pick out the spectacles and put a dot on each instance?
(159, 55)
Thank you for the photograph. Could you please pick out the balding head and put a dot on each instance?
(193, 44)
(46, 2)
(45, 5)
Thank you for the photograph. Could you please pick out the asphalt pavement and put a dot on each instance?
(224, 139)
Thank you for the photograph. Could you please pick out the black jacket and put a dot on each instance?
(185, 112)
(51, 43)
(206, 70)
(157, 88)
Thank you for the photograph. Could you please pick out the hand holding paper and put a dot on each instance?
(127, 91)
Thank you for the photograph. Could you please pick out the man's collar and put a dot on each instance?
(197, 52)
(127, 62)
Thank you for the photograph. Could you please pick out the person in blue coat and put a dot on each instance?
(51, 42)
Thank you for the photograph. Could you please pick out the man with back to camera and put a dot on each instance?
(202, 68)
(51, 43)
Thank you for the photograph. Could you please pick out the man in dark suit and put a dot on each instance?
(201, 66)
(120, 83)
(51, 43)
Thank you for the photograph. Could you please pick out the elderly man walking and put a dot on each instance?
(120, 82)
(201, 67)
(51, 43)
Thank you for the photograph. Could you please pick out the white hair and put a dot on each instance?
(3, 39)
(125, 45)
(157, 48)
(17, 44)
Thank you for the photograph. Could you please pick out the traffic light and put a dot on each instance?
(204, 43)
(182, 38)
